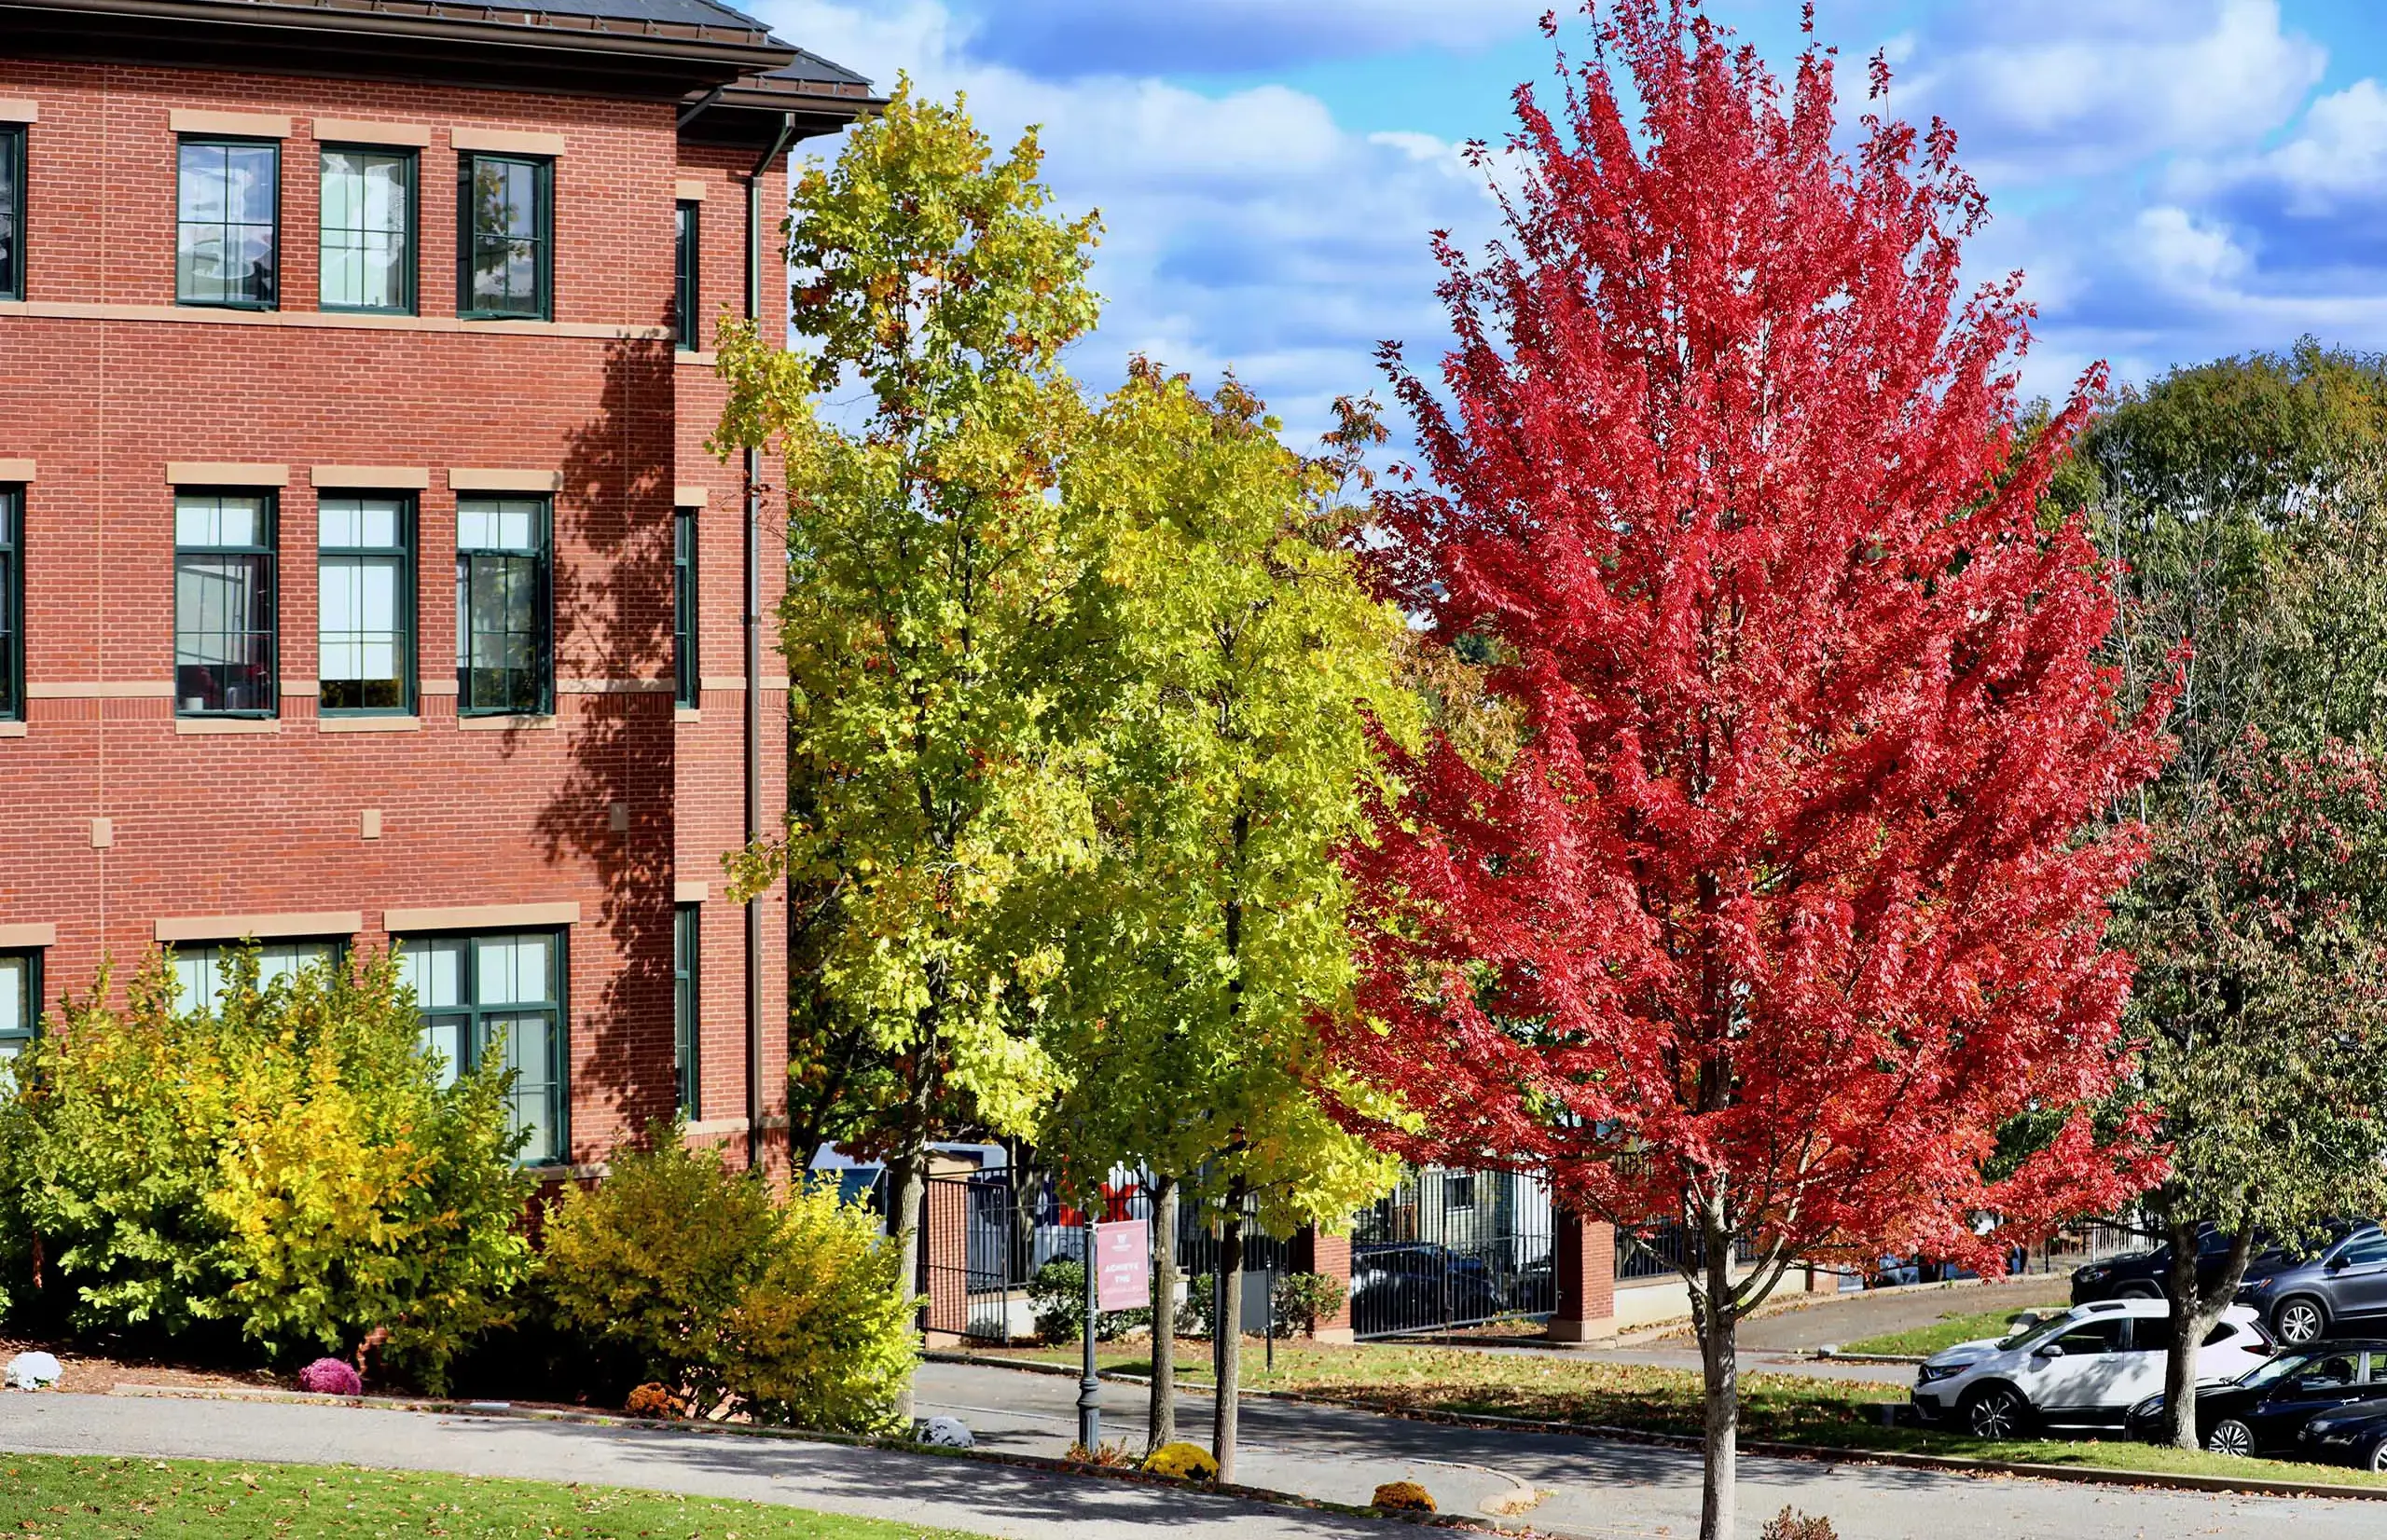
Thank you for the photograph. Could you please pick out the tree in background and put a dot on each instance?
(932, 773)
(2243, 499)
(1237, 649)
(1794, 890)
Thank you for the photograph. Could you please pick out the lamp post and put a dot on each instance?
(1089, 1387)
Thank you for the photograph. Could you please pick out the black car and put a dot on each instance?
(2304, 1298)
(2267, 1408)
(2355, 1435)
(2140, 1275)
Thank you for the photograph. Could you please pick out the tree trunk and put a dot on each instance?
(1228, 1328)
(907, 1189)
(1712, 1313)
(2194, 1311)
(1163, 1428)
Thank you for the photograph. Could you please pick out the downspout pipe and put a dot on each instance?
(751, 550)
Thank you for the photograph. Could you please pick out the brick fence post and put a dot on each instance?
(1584, 1258)
(1312, 1250)
(945, 1249)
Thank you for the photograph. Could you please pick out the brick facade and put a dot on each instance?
(619, 803)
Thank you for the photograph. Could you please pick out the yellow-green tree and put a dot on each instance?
(1238, 655)
(930, 628)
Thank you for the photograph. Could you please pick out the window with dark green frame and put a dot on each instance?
(368, 223)
(686, 1038)
(202, 971)
(503, 665)
(364, 605)
(503, 994)
(506, 230)
(228, 232)
(683, 605)
(687, 250)
(225, 641)
(19, 1006)
(12, 211)
(12, 604)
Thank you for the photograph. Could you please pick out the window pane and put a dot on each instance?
(508, 230)
(366, 243)
(514, 970)
(434, 969)
(683, 607)
(449, 1037)
(685, 1006)
(224, 241)
(16, 999)
(13, 204)
(364, 633)
(530, 1054)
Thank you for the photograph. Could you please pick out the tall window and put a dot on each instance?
(224, 604)
(683, 605)
(501, 662)
(684, 315)
(686, 934)
(364, 638)
(201, 972)
(481, 995)
(12, 211)
(227, 244)
(506, 227)
(368, 219)
(12, 603)
(19, 1005)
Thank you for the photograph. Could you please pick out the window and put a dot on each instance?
(2364, 1251)
(201, 972)
(2093, 1337)
(12, 604)
(481, 995)
(364, 635)
(1458, 1189)
(227, 239)
(502, 664)
(224, 604)
(368, 219)
(12, 211)
(684, 316)
(19, 1005)
(2335, 1372)
(685, 933)
(503, 226)
(683, 605)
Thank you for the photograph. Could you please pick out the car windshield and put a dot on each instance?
(2273, 1371)
(2037, 1331)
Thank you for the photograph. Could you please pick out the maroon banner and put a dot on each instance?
(1123, 1261)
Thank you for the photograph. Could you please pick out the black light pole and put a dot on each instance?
(1089, 1384)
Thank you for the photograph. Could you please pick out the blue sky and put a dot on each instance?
(2178, 179)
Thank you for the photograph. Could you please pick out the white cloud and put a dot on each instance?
(2338, 157)
(1077, 37)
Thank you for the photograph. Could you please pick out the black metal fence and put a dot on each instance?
(1447, 1249)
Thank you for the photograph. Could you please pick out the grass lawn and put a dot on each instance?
(54, 1497)
(1946, 1332)
(1789, 1409)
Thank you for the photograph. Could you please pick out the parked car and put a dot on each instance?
(2354, 1435)
(2304, 1298)
(2086, 1368)
(2263, 1410)
(2140, 1275)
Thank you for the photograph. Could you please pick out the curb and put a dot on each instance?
(1954, 1464)
(800, 1435)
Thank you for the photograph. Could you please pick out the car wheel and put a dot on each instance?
(2377, 1460)
(1997, 1411)
(2300, 1321)
(2232, 1436)
(2138, 1291)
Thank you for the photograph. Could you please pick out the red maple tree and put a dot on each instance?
(1794, 892)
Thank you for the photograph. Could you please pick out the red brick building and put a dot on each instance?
(363, 576)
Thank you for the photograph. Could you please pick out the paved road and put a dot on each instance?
(1627, 1491)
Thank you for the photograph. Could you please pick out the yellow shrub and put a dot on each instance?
(1184, 1461)
(1402, 1497)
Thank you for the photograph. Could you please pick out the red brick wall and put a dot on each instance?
(102, 393)
(1584, 1260)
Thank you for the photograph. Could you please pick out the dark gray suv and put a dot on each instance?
(2304, 1299)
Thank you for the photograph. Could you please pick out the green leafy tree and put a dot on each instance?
(2242, 501)
(929, 629)
(1239, 656)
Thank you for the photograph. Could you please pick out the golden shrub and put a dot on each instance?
(1183, 1462)
(1402, 1497)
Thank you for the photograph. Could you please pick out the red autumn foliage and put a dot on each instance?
(1796, 891)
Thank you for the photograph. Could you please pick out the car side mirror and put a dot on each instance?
(2334, 1263)
(2048, 1350)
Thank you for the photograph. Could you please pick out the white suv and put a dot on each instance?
(2087, 1366)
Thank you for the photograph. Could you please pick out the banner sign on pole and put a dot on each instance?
(1123, 1256)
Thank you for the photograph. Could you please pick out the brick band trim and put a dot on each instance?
(200, 727)
(250, 125)
(506, 141)
(689, 189)
(203, 315)
(352, 130)
(17, 109)
(468, 480)
(690, 892)
(484, 917)
(233, 928)
(376, 478)
(17, 470)
(101, 690)
(26, 936)
(613, 686)
(222, 473)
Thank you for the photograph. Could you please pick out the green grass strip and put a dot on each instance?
(1946, 1332)
(63, 1498)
